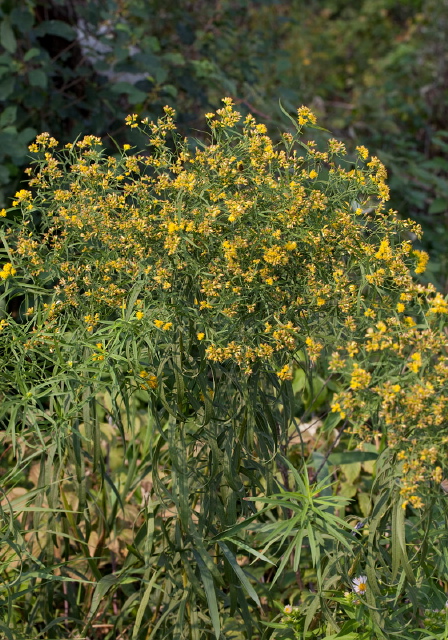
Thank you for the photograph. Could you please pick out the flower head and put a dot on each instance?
(7, 270)
(360, 585)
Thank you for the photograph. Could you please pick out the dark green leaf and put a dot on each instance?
(38, 78)
(349, 457)
(7, 37)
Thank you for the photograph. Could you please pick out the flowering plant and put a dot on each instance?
(261, 255)
(194, 284)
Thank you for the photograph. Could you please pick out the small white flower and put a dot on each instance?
(287, 609)
(360, 585)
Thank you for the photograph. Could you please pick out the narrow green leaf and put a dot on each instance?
(396, 547)
(241, 526)
(311, 611)
(401, 535)
(101, 590)
(210, 593)
(349, 457)
(239, 572)
(143, 604)
(249, 549)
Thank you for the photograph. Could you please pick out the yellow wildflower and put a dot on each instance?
(131, 120)
(422, 261)
(150, 380)
(416, 362)
(438, 304)
(7, 271)
(21, 196)
(305, 116)
(285, 373)
(336, 408)
(363, 152)
(314, 348)
(336, 362)
(384, 252)
(360, 378)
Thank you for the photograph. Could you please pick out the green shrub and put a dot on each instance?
(172, 317)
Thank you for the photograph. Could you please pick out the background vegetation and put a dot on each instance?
(128, 463)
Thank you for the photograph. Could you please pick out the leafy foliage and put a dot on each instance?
(162, 353)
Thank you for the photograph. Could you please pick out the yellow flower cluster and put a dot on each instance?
(99, 354)
(314, 348)
(161, 324)
(439, 304)
(243, 355)
(285, 373)
(22, 197)
(42, 142)
(91, 321)
(422, 261)
(153, 224)
(406, 394)
(148, 380)
(363, 152)
(305, 116)
(360, 379)
(7, 270)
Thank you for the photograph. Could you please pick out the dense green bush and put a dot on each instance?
(216, 358)
(178, 320)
